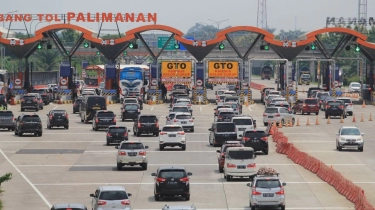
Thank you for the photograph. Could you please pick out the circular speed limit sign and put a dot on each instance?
(17, 81)
(199, 82)
(154, 82)
(63, 81)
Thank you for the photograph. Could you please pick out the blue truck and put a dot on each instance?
(132, 80)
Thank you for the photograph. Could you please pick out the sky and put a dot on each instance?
(306, 15)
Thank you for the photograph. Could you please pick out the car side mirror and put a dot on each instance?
(170, 110)
(121, 108)
(146, 147)
(116, 147)
(255, 121)
(189, 174)
(210, 129)
(363, 134)
(218, 151)
(249, 184)
(240, 135)
(92, 195)
(284, 183)
(130, 195)
(193, 118)
(255, 156)
(159, 130)
(153, 174)
(337, 134)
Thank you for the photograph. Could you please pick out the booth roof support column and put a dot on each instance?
(322, 48)
(233, 45)
(247, 53)
(139, 36)
(76, 45)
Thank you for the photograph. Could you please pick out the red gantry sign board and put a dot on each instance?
(81, 17)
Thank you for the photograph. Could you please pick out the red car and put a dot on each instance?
(221, 157)
(309, 105)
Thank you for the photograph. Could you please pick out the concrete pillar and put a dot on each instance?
(312, 71)
(372, 74)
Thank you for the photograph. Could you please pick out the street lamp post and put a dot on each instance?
(218, 22)
(38, 24)
(2, 50)
(6, 15)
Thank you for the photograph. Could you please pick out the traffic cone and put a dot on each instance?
(280, 124)
(298, 122)
(287, 123)
(362, 119)
(364, 104)
(317, 121)
(308, 121)
(342, 119)
(329, 120)
(370, 119)
(354, 120)
(291, 123)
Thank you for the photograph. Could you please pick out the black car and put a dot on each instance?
(57, 118)
(171, 181)
(28, 123)
(257, 139)
(117, 134)
(309, 92)
(29, 102)
(67, 206)
(139, 99)
(103, 119)
(225, 116)
(76, 105)
(45, 94)
(3, 101)
(130, 111)
(221, 132)
(7, 120)
(146, 124)
(335, 108)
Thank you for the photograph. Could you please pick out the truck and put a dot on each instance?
(266, 72)
(132, 80)
(304, 76)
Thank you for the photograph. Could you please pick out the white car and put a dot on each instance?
(239, 162)
(185, 120)
(243, 123)
(184, 102)
(219, 93)
(110, 197)
(131, 153)
(349, 137)
(349, 105)
(354, 87)
(268, 99)
(88, 93)
(172, 136)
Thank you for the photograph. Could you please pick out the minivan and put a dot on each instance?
(243, 123)
(239, 162)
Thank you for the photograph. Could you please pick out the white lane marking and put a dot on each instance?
(85, 141)
(179, 151)
(294, 208)
(152, 108)
(96, 133)
(321, 134)
(312, 141)
(55, 107)
(26, 179)
(249, 109)
(200, 108)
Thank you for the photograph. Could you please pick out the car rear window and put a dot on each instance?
(113, 195)
(2, 97)
(226, 127)
(222, 97)
(6, 114)
(233, 106)
(117, 130)
(271, 110)
(31, 119)
(282, 105)
(322, 94)
(183, 117)
(231, 99)
(29, 97)
(177, 174)
(131, 107)
(243, 121)
(231, 145)
(58, 113)
(130, 101)
(183, 102)
(180, 109)
(241, 154)
(172, 129)
(226, 113)
(132, 146)
(255, 134)
(345, 100)
(106, 114)
(334, 103)
(148, 119)
(96, 102)
(267, 184)
(311, 101)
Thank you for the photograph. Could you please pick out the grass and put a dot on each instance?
(1, 205)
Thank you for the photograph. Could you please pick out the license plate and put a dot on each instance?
(241, 167)
(131, 111)
(28, 102)
(311, 105)
(268, 194)
(242, 129)
(59, 119)
(226, 120)
(173, 183)
(172, 135)
(270, 116)
(183, 122)
(255, 140)
(132, 153)
(96, 108)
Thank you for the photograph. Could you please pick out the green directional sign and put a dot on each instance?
(86, 45)
(163, 40)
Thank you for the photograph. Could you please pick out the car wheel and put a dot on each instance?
(360, 149)
(192, 130)
(228, 178)
(308, 113)
(15, 133)
(22, 110)
(221, 169)
(300, 112)
(40, 134)
(122, 119)
(82, 120)
(339, 148)
(183, 147)
(96, 128)
(326, 116)
(265, 124)
(252, 207)
(13, 129)
(156, 134)
(49, 126)
(74, 112)
(161, 147)
(19, 134)
(317, 113)
(144, 166)
(137, 134)
(119, 166)
(187, 197)
(157, 197)
(282, 207)
(35, 134)
(107, 143)
(265, 151)
(66, 127)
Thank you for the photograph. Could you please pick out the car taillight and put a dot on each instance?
(101, 203)
(35, 100)
(320, 101)
(108, 134)
(254, 192)
(125, 202)
(246, 138)
(40, 100)
(304, 105)
(264, 115)
(67, 116)
(175, 120)
(327, 107)
(157, 124)
(253, 165)
(142, 153)
(159, 180)
(264, 138)
(185, 180)
(139, 125)
(122, 153)
(189, 105)
(341, 107)
(191, 120)
(114, 119)
(277, 115)
(281, 192)
(126, 134)
(350, 104)
(96, 120)
(162, 133)
(219, 117)
(74, 104)
(12, 118)
(230, 165)
(139, 110)
(50, 117)
(181, 133)
(23, 100)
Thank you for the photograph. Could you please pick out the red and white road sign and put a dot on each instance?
(63, 82)
(17, 82)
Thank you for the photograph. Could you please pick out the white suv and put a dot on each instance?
(267, 191)
(185, 120)
(349, 105)
(349, 137)
(131, 153)
(110, 197)
(172, 135)
(243, 123)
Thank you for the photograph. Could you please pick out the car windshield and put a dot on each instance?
(29, 98)
(241, 154)
(6, 114)
(130, 101)
(58, 113)
(226, 127)
(148, 119)
(177, 174)
(272, 97)
(113, 195)
(356, 85)
(333, 103)
(311, 101)
(131, 107)
(183, 117)
(31, 119)
(305, 75)
(172, 129)
(183, 102)
(345, 100)
(322, 94)
(267, 184)
(117, 130)
(106, 114)
(132, 146)
(180, 109)
(242, 121)
(350, 131)
(271, 110)
(255, 134)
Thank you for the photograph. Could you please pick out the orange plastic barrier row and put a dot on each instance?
(256, 86)
(342, 185)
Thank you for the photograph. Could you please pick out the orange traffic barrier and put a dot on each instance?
(317, 120)
(280, 124)
(291, 123)
(342, 119)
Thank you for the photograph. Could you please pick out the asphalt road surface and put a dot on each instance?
(65, 166)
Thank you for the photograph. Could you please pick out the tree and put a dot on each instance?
(110, 36)
(289, 35)
(47, 60)
(5, 178)
(202, 32)
(69, 37)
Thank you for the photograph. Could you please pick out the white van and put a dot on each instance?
(243, 123)
(239, 162)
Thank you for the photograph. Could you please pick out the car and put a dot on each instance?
(263, 93)
(243, 123)
(274, 92)
(139, 99)
(171, 181)
(220, 100)
(177, 92)
(131, 153)
(110, 197)
(130, 101)
(221, 132)
(325, 101)
(239, 162)
(269, 98)
(349, 137)
(183, 102)
(90, 105)
(67, 206)
(309, 91)
(256, 139)
(233, 99)
(3, 101)
(28, 123)
(308, 105)
(275, 100)
(267, 191)
(224, 147)
(278, 115)
(29, 102)
(354, 87)
(168, 207)
(335, 108)
(146, 124)
(103, 119)
(170, 118)
(218, 93)
(88, 93)
(57, 118)
(130, 111)
(180, 87)
(280, 104)
(172, 136)
(185, 120)
(320, 95)
(7, 120)
(117, 134)
(180, 109)
(237, 109)
(39, 99)
(220, 107)
(208, 85)
(45, 93)
(225, 115)
(349, 105)
(76, 104)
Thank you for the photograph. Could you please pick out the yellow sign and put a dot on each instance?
(223, 69)
(176, 69)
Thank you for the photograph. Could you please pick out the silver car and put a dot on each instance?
(278, 115)
(349, 105)
(131, 153)
(267, 191)
(110, 197)
(168, 207)
(184, 102)
(185, 120)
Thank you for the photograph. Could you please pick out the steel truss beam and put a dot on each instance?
(342, 44)
(233, 45)
(322, 48)
(247, 53)
(76, 45)
(57, 43)
(122, 49)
